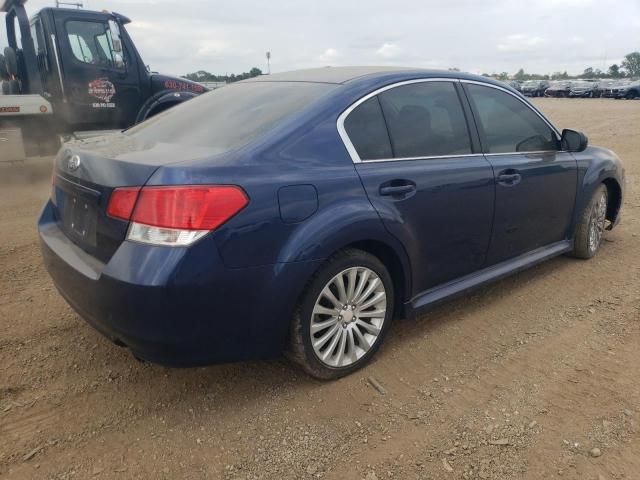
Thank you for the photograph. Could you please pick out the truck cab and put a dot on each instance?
(86, 69)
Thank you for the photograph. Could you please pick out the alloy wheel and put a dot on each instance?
(348, 317)
(597, 222)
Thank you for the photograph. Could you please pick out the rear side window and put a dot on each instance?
(425, 119)
(508, 124)
(231, 116)
(368, 132)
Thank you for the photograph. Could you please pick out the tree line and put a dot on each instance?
(204, 76)
(628, 68)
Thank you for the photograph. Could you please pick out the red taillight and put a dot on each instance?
(189, 207)
(192, 207)
(122, 202)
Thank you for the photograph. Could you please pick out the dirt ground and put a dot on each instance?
(534, 377)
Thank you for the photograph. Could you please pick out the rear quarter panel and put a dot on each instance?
(311, 155)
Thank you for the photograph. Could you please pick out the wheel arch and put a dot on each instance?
(600, 167)
(162, 101)
(614, 194)
(390, 258)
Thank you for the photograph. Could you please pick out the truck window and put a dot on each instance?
(91, 42)
(36, 38)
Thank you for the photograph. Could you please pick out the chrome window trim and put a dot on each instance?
(355, 158)
(536, 152)
(343, 116)
(432, 157)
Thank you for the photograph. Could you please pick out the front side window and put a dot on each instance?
(425, 119)
(91, 43)
(508, 124)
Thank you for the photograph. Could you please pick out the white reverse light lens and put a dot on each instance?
(169, 237)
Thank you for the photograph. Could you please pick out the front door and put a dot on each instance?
(414, 154)
(101, 85)
(535, 181)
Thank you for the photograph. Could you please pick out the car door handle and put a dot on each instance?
(509, 178)
(397, 190)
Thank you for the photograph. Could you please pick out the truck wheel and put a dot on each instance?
(11, 61)
(591, 225)
(342, 316)
(14, 87)
(4, 75)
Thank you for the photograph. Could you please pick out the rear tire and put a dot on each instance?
(342, 316)
(11, 61)
(14, 87)
(4, 75)
(591, 225)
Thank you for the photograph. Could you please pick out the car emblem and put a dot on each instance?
(73, 162)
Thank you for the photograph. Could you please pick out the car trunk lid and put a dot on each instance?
(85, 175)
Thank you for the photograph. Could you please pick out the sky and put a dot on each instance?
(478, 36)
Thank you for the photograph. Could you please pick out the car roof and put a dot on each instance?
(342, 75)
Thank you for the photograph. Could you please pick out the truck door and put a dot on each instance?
(99, 75)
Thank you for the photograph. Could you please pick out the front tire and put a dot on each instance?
(591, 225)
(342, 316)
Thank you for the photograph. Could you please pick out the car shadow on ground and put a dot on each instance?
(239, 385)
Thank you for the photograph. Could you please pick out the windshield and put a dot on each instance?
(231, 116)
(531, 83)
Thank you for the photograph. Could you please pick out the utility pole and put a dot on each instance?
(68, 4)
(268, 63)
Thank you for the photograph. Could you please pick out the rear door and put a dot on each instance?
(413, 151)
(535, 181)
(101, 90)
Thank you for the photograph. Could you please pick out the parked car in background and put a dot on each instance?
(629, 91)
(614, 89)
(534, 88)
(516, 85)
(602, 86)
(303, 211)
(559, 88)
(583, 88)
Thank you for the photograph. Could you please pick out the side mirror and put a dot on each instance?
(573, 141)
(118, 60)
(116, 41)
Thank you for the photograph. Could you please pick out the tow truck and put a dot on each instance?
(72, 73)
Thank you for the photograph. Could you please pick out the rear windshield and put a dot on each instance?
(231, 116)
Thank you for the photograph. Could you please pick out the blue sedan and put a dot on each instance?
(299, 213)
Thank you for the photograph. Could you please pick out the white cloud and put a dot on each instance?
(389, 51)
(520, 42)
(567, 3)
(329, 55)
(232, 37)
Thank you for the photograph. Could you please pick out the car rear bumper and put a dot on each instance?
(176, 306)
